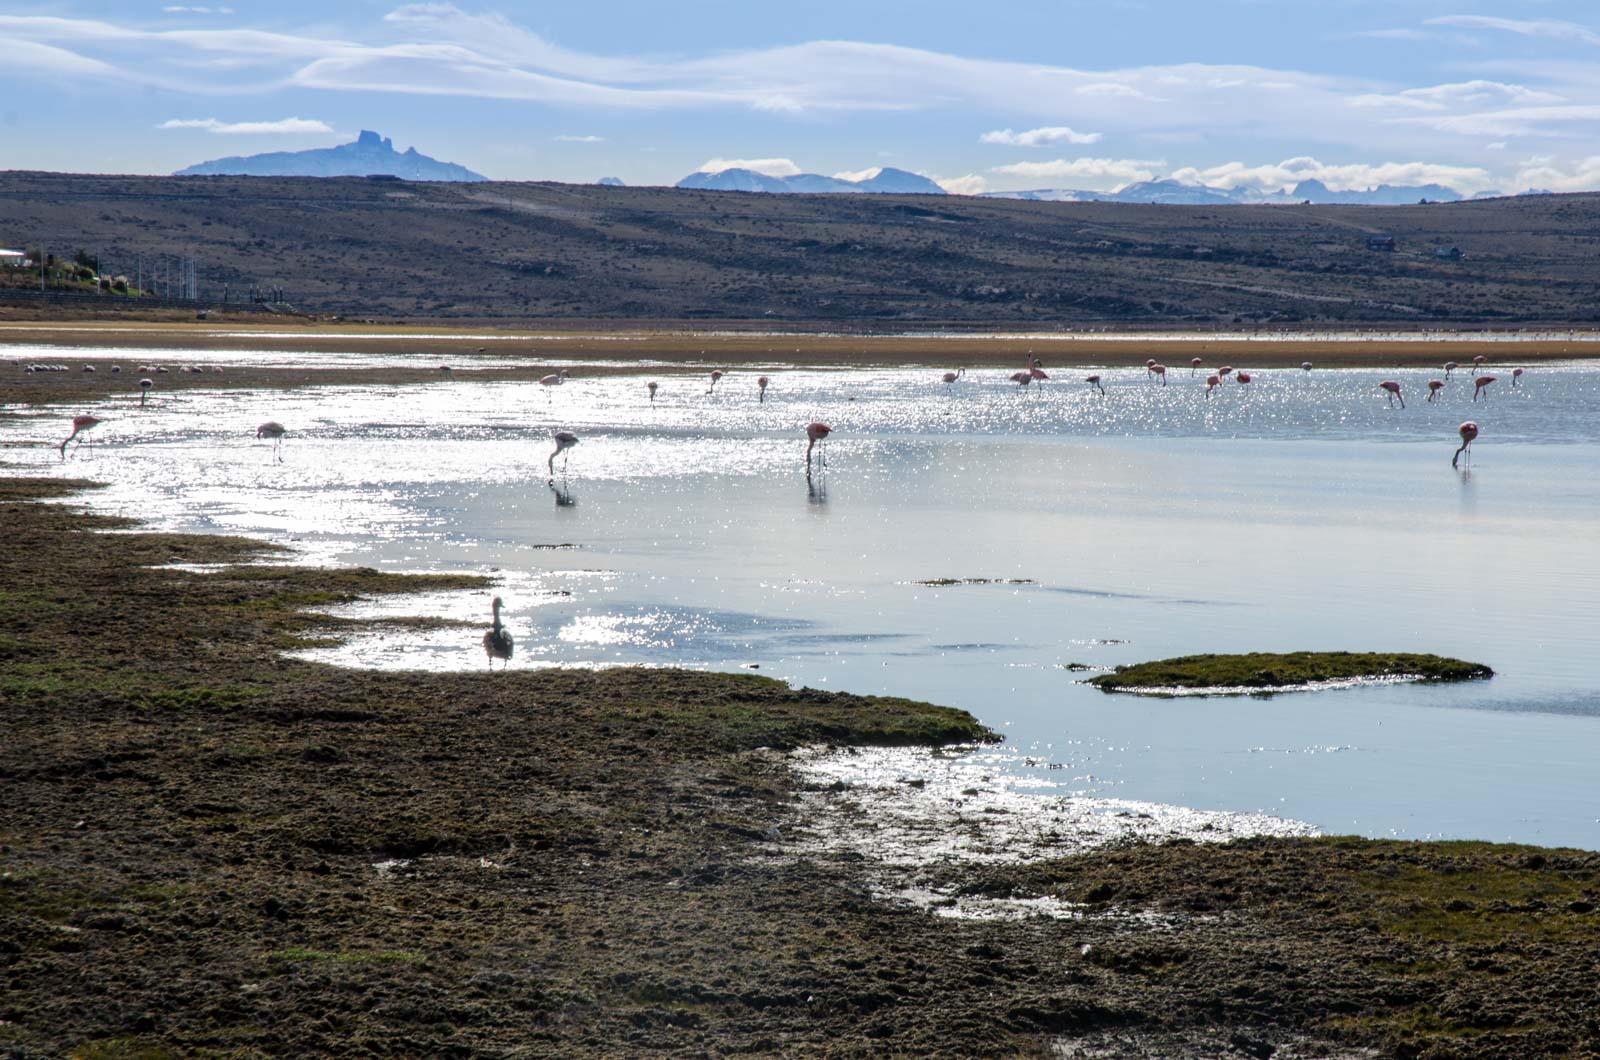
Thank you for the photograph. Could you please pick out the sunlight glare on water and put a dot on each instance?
(1300, 511)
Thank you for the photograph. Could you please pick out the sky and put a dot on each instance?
(1492, 95)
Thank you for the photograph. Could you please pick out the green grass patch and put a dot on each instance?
(299, 954)
(1268, 670)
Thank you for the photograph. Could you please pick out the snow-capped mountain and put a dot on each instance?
(886, 181)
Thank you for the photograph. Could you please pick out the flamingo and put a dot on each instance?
(1450, 366)
(1194, 365)
(497, 643)
(716, 373)
(1305, 366)
(144, 390)
(564, 440)
(817, 432)
(80, 425)
(1434, 386)
(1035, 371)
(1094, 381)
(761, 385)
(1469, 431)
(554, 379)
(1160, 372)
(1243, 378)
(1022, 379)
(1149, 366)
(1212, 382)
(1477, 362)
(274, 430)
(951, 377)
(1516, 373)
(1481, 384)
(652, 388)
(1225, 371)
(1393, 389)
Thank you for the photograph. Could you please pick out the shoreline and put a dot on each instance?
(1354, 348)
(208, 845)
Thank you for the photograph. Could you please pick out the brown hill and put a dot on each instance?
(557, 252)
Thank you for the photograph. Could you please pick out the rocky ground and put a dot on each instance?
(209, 848)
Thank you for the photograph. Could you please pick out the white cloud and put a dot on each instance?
(566, 138)
(1104, 172)
(1050, 134)
(858, 175)
(180, 9)
(1105, 89)
(971, 184)
(32, 55)
(1523, 27)
(1283, 176)
(1455, 96)
(1549, 175)
(772, 167)
(282, 127)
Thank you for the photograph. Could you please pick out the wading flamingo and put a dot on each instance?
(1160, 372)
(817, 432)
(1477, 362)
(1212, 382)
(144, 390)
(1022, 379)
(951, 377)
(554, 379)
(80, 425)
(1469, 431)
(716, 373)
(564, 440)
(1481, 384)
(1194, 365)
(1393, 390)
(1094, 381)
(1225, 371)
(497, 643)
(652, 388)
(1037, 373)
(1149, 366)
(1434, 386)
(1305, 366)
(761, 385)
(1243, 377)
(1516, 373)
(274, 430)
(1450, 366)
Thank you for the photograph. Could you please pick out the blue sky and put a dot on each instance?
(991, 96)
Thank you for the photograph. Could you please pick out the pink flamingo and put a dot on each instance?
(1477, 362)
(761, 384)
(555, 379)
(1212, 382)
(716, 373)
(1450, 366)
(1305, 366)
(1393, 389)
(1094, 381)
(1035, 371)
(817, 432)
(1516, 373)
(951, 377)
(1194, 365)
(1243, 377)
(652, 388)
(1160, 371)
(80, 425)
(1434, 386)
(1481, 384)
(1469, 431)
(564, 440)
(1021, 378)
(1149, 366)
(1225, 370)
(274, 430)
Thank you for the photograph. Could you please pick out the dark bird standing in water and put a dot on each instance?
(497, 642)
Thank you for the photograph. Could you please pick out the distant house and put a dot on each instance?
(1383, 243)
(12, 257)
(1450, 253)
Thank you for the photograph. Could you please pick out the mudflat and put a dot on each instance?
(206, 845)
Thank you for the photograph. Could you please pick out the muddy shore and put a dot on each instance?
(208, 847)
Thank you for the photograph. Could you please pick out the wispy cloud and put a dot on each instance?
(971, 184)
(180, 9)
(566, 138)
(1283, 176)
(772, 167)
(281, 127)
(1549, 28)
(855, 176)
(1455, 96)
(1050, 134)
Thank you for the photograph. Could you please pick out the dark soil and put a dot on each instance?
(209, 848)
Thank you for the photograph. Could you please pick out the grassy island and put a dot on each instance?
(1267, 670)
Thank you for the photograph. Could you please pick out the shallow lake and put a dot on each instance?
(1299, 512)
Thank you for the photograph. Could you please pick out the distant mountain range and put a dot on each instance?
(1314, 191)
(369, 155)
(887, 181)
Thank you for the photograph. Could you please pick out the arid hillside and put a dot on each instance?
(489, 252)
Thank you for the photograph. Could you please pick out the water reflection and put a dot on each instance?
(564, 497)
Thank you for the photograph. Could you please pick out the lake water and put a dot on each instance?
(1300, 512)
